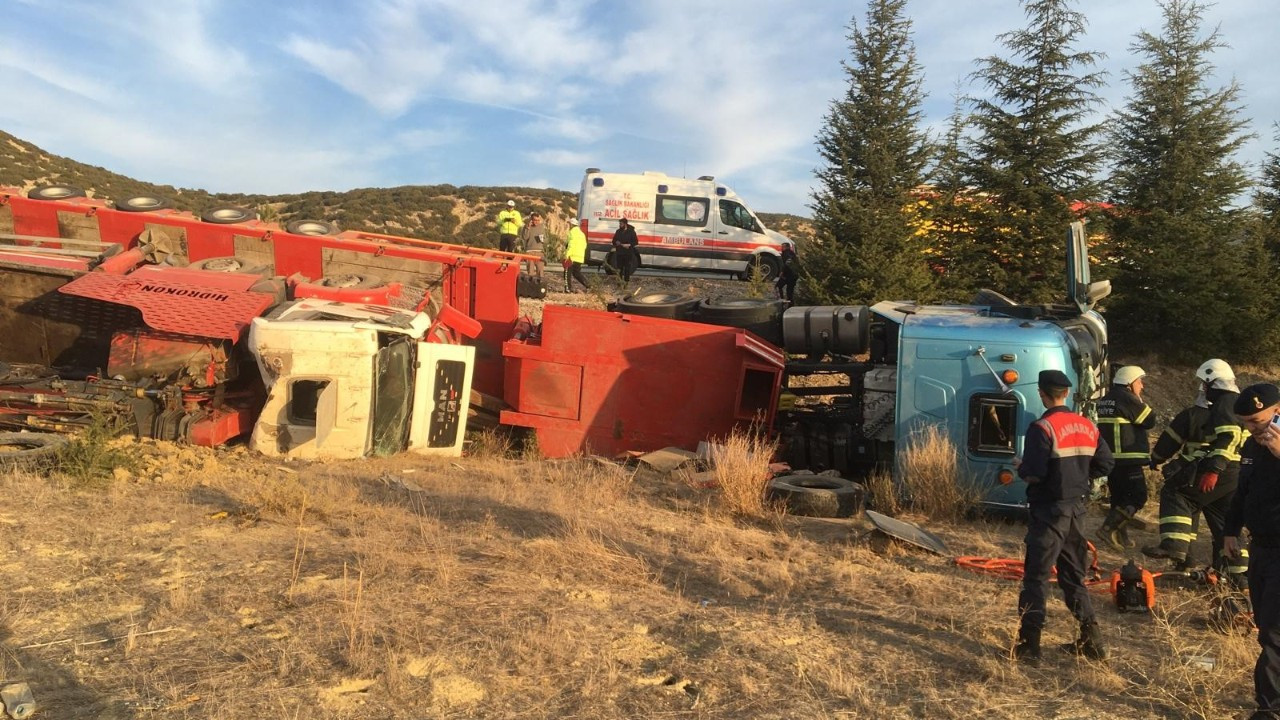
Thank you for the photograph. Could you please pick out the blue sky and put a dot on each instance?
(286, 96)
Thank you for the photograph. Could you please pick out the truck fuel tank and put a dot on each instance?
(817, 330)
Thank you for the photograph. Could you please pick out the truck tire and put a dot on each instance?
(769, 266)
(142, 203)
(817, 495)
(673, 306)
(228, 215)
(311, 227)
(29, 451)
(351, 280)
(231, 265)
(739, 312)
(55, 192)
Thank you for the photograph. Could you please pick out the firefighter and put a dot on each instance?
(509, 224)
(1256, 506)
(1061, 453)
(1202, 445)
(1124, 420)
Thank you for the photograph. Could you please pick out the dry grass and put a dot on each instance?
(929, 476)
(495, 587)
(742, 472)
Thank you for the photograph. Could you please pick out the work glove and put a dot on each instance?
(1208, 482)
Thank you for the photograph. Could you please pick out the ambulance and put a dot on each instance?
(681, 224)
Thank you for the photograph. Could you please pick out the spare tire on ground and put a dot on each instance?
(674, 306)
(817, 495)
(29, 451)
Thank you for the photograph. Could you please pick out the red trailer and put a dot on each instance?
(605, 382)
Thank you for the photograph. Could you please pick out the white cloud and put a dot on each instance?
(562, 158)
(36, 64)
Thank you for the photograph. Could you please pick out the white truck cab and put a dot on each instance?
(680, 223)
(348, 380)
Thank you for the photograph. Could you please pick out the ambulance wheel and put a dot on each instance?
(768, 266)
(352, 280)
(311, 227)
(674, 306)
(29, 451)
(817, 495)
(55, 192)
(230, 265)
(142, 203)
(228, 215)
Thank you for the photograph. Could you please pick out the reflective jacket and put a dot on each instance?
(509, 222)
(1209, 436)
(576, 245)
(1123, 420)
(1061, 453)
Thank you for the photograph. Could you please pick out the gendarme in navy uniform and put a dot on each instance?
(1256, 506)
(1060, 454)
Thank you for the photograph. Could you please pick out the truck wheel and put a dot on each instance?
(142, 203)
(228, 215)
(352, 280)
(768, 265)
(817, 495)
(230, 265)
(310, 227)
(55, 192)
(739, 312)
(674, 306)
(29, 451)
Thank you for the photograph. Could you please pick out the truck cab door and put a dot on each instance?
(737, 229)
(1081, 292)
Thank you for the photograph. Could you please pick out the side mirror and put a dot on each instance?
(1098, 290)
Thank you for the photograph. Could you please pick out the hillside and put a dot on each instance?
(431, 212)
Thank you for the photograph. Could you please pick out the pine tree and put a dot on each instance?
(1034, 151)
(875, 154)
(1185, 259)
(1266, 200)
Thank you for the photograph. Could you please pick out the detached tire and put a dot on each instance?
(55, 192)
(352, 280)
(818, 495)
(230, 265)
(142, 203)
(673, 306)
(29, 451)
(310, 227)
(228, 215)
(759, 315)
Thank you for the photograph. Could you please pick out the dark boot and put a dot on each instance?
(1111, 532)
(1089, 644)
(1129, 522)
(1027, 651)
(1164, 551)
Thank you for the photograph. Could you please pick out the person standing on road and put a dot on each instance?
(1125, 420)
(1256, 506)
(575, 253)
(789, 274)
(533, 238)
(626, 249)
(509, 224)
(1206, 439)
(1061, 453)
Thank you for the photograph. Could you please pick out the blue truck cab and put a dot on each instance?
(970, 371)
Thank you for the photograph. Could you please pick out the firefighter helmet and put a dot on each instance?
(1128, 374)
(1217, 374)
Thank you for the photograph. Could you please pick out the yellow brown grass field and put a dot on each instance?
(216, 584)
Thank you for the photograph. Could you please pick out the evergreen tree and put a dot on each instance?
(1184, 257)
(1267, 201)
(875, 154)
(1034, 151)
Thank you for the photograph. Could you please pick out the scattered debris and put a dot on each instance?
(18, 700)
(908, 532)
(817, 495)
(668, 459)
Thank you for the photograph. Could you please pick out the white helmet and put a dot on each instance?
(511, 203)
(1128, 374)
(1217, 374)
